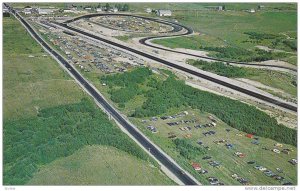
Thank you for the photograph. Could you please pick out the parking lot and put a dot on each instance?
(232, 157)
(131, 24)
(89, 56)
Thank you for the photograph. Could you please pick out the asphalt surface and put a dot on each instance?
(182, 68)
(137, 135)
(176, 28)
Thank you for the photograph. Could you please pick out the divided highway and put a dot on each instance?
(184, 69)
(155, 152)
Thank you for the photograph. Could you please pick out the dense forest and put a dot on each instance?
(57, 132)
(173, 93)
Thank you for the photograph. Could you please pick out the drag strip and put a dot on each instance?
(184, 69)
(153, 149)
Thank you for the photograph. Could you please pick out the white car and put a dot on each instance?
(276, 151)
(262, 168)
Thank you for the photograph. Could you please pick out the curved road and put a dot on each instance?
(184, 69)
(161, 157)
(176, 28)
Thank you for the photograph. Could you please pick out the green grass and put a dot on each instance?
(230, 164)
(48, 117)
(35, 79)
(190, 42)
(280, 80)
(99, 165)
(228, 28)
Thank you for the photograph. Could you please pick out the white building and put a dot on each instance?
(99, 10)
(164, 13)
(45, 11)
(68, 11)
(148, 10)
(252, 11)
(115, 10)
(27, 11)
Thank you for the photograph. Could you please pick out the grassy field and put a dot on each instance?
(275, 79)
(47, 117)
(34, 79)
(99, 165)
(230, 164)
(228, 28)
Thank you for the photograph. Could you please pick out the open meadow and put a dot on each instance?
(48, 117)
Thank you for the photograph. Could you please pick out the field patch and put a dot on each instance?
(99, 165)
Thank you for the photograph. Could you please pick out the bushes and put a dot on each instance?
(187, 150)
(240, 54)
(260, 36)
(136, 76)
(222, 69)
(57, 132)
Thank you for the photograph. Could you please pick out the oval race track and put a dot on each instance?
(165, 62)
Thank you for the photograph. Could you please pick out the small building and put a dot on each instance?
(249, 136)
(196, 166)
(68, 11)
(252, 11)
(99, 10)
(5, 10)
(44, 11)
(27, 12)
(261, 6)
(148, 10)
(88, 8)
(115, 10)
(164, 13)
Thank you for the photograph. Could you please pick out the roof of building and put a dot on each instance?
(164, 11)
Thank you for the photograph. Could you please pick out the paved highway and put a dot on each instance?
(182, 68)
(156, 153)
(176, 28)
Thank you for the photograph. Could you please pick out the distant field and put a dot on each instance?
(228, 28)
(99, 165)
(48, 117)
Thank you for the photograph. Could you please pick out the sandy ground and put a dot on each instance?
(260, 85)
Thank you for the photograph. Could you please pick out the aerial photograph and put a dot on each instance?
(108, 93)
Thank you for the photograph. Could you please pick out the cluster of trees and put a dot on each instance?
(222, 69)
(240, 54)
(187, 150)
(57, 132)
(123, 87)
(292, 44)
(136, 76)
(260, 36)
(275, 39)
(174, 93)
